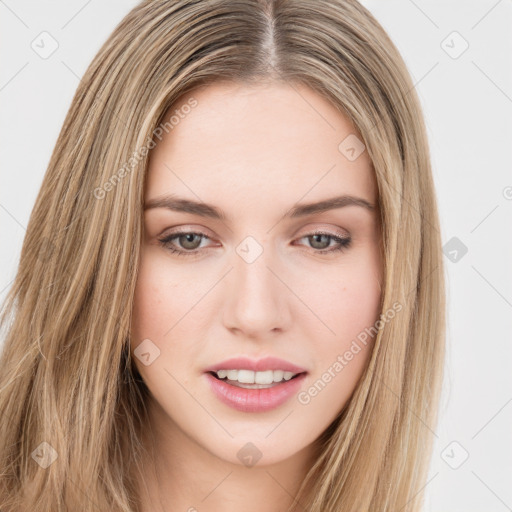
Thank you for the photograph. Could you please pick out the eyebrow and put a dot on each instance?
(179, 204)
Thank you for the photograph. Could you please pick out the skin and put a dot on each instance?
(255, 152)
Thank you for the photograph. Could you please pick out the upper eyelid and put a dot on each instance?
(311, 231)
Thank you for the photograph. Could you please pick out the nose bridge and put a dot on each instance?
(257, 299)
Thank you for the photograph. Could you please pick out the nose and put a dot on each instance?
(257, 300)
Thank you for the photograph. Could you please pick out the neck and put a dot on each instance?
(179, 474)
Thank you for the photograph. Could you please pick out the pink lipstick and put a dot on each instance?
(255, 385)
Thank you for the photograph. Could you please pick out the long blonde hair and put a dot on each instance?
(70, 395)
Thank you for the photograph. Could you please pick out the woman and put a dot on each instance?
(230, 293)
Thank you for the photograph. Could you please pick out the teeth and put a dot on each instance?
(250, 377)
(278, 375)
(245, 376)
(232, 374)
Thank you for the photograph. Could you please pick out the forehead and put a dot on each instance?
(233, 142)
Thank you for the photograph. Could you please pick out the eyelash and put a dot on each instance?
(344, 243)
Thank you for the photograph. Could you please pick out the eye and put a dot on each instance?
(321, 242)
(189, 242)
(187, 239)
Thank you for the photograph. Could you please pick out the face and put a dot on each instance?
(254, 275)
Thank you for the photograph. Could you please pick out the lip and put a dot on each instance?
(254, 400)
(260, 365)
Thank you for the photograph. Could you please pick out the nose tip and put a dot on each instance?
(255, 302)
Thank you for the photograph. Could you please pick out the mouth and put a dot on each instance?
(253, 396)
(250, 385)
(249, 379)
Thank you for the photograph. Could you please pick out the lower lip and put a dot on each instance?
(254, 400)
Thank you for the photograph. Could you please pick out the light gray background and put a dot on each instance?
(467, 100)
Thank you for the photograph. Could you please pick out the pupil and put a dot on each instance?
(189, 240)
(316, 240)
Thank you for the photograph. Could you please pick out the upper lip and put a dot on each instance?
(244, 363)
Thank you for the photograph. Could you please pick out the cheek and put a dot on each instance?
(164, 312)
(148, 301)
(350, 308)
(160, 298)
(358, 302)
(347, 301)
(155, 304)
